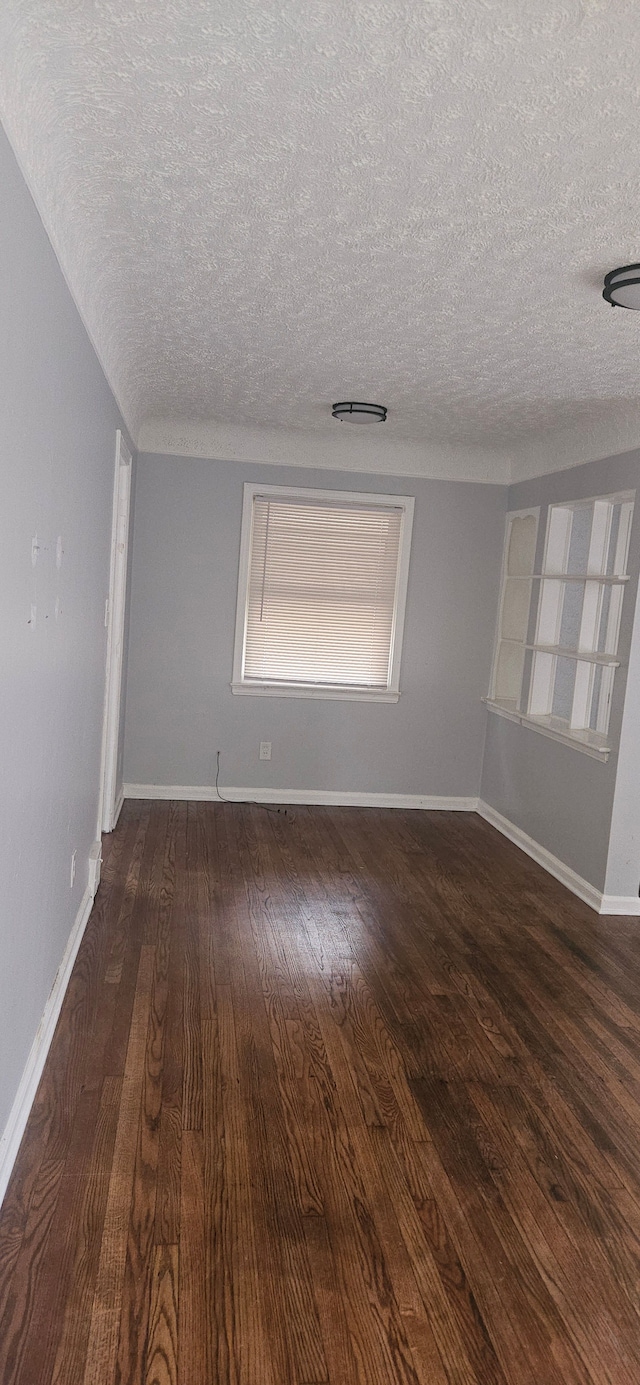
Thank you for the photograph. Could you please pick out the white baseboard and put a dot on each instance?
(628, 905)
(555, 867)
(207, 793)
(95, 862)
(118, 803)
(25, 1095)
(118, 807)
(603, 904)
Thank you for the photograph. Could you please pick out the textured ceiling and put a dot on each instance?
(261, 207)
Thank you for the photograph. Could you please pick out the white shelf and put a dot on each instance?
(588, 742)
(567, 577)
(585, 655)
(565, 652)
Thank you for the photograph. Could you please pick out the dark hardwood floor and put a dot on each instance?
(337, 1096)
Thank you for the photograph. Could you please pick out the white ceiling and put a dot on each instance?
(263, 207)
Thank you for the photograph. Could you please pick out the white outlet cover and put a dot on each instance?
(265, 750)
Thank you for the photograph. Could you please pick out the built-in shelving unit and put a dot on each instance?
(558, 628)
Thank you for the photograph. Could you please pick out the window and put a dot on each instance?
(558, 629)
(321, 593)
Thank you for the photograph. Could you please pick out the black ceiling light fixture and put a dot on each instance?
(352, 412)
(622, 287)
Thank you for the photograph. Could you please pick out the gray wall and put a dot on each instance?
(558, 795)
(180, 708)
(58, 422)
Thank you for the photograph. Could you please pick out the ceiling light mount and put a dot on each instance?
(622, 287)
(349, 411)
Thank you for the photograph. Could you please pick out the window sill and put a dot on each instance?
(587, 742)
(332, 694)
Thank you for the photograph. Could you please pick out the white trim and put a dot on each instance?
(384, 499)
(298, 690)
(545, 858)
(603, 904)
(502, 709)
(544, 453)
(115, 636)
(534, 511)
(95, 864)
(25, 1095)
(604, 579)
(331, 446)
(548, 602)
(571, 738)
(118, 808)
(405, 503)
(207, 793)
(628, 905)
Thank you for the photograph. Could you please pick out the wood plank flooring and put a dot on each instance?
(336, 1095)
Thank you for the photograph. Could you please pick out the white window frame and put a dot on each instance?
(533, 512)
(536, 715)
(391, 693)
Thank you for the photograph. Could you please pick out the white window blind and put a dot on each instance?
(322, 589)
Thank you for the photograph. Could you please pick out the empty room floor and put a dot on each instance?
(336, 1095)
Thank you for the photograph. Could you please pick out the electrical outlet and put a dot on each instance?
(59, 551)
(72, 872)
(265, 750)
